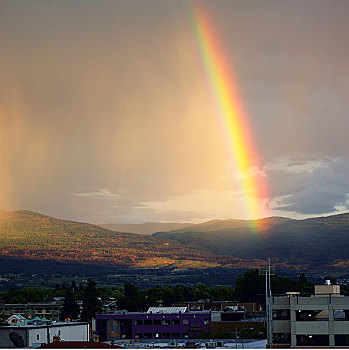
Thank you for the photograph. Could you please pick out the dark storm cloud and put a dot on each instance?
(321, 190)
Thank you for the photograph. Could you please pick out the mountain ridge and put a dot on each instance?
(147, 228)
(32, 235)
(312, 241)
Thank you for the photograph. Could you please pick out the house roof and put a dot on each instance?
(56, 324)
(18, 316)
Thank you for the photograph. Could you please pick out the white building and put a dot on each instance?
(34, 336)
(319, 320)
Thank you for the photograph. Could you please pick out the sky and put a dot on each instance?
(106, 113)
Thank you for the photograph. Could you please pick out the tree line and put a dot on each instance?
(249, 287)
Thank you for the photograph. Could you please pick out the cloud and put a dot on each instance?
(316, 190)
(103, 192)
(106, 113)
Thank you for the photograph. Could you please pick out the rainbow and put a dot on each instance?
(223, 87)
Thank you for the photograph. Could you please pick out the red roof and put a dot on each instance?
(77, 344)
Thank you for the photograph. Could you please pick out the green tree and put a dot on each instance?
(132, 299)
(302, 278)
(130, 290)
(81, 287)
(70, 307)
(250, 286)
(2, 320)
(90, 302)
(73, 286)
(201, 291)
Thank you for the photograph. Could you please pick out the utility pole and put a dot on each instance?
(270, 323)
(268, 272)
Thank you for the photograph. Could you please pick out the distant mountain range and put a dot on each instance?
(147, 228)
(316, 242)
(34, 236)
(312, 243)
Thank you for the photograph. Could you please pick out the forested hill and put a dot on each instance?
(316, 242)
(30, 235)
(148, 228)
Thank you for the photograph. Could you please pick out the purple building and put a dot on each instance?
(157, 323)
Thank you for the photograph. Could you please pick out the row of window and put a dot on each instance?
(157, 322)
(311, 340)
(312, 315)
(161, 335)
(167, 322)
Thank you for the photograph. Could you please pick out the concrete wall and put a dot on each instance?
(327, 289)
(77, 332)
(5, 341)
(310, 327)
(32, 337)
(35, 336)
(282, 326)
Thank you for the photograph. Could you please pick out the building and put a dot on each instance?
(16, 319)
(19, 320)
(177, 323)
(31, 310)
(206, 304)
(156, 323)
(319, 320)
(33, 336)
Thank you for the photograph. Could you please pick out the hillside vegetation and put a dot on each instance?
(35, 236)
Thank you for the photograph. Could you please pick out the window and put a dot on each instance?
(139, 322)
(175, 322)
(281, 315)
(166, 322)
(157, 322)
(59, 332)
(341, 340)
(282, 338)
(185, 321)
(38, 337)
(312, 315)
(148, 322)
(341, 315)
(312, 340)
(206, 321)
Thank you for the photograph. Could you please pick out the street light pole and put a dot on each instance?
(236, 336)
